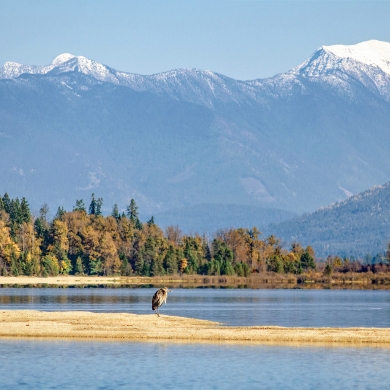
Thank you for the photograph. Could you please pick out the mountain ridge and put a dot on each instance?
(357, 226)
(296, 141)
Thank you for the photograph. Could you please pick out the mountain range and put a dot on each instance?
(184, 138)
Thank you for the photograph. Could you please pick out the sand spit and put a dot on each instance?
(65, 280)
(105, 326)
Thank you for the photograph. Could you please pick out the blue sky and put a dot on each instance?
(241, 39)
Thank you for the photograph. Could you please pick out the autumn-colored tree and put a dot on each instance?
(174, 235)
(8, 248)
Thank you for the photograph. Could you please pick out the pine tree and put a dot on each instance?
(6, 203)
(157, 268)
(132, 210)
(139, 263)
(99, 204)
(308, 262)
(170, 261)
(132, 214)
(60, 212)
(25, 211)
(80, 206)
(92, 206)
(39, 228)
(115, 212)
(79, 267)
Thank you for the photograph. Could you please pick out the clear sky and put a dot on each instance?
(238, 38)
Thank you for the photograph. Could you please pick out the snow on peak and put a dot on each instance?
(374, 53)
(62, 58)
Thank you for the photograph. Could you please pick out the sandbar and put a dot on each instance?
(149, 327)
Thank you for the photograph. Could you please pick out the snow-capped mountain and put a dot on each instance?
(296, 141)
(342, 68)
(367, 63)
(182, 84)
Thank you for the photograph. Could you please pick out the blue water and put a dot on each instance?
(336, 308)
(124, 365)
(63, 364)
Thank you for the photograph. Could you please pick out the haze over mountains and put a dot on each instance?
(293, 142)
(357, 226)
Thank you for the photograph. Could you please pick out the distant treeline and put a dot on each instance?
(83, 241)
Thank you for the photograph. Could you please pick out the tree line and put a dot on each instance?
(84, 241)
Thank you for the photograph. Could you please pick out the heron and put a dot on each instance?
(159, 297)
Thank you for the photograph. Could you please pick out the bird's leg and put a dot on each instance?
(158, 314)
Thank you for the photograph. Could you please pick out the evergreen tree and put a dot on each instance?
(16, 268)
(227, 268)
(132, 214)
(80, 206)
(60, 212)
(151, 221)
(157, 268)
(139, 263)
(92, 206)
(115, 212)
(99, 204)
(6, 203)
(307, 261)
(206, 251)
(25, 213)
(95, 267)
(79, 267)
(132, 211)
(14, 211)
(39, 228)
(170, 261)
(125, 266)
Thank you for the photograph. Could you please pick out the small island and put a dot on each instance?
(134, 327)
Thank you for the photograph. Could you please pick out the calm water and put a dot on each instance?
(337, 308)
(59, 364)
(116, 365)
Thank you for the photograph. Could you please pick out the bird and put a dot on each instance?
(159, 297)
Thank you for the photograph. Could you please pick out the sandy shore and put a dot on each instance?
(101, 326)
(67, 280)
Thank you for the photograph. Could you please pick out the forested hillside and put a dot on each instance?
(356, 227)
(83, 241)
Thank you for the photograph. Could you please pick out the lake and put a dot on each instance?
(64, 364)
(335, 308)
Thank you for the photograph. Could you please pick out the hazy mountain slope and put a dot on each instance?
(296, 141)
(62, 143)
(357, 226)
(208, 218)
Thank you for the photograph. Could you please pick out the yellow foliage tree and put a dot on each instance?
(7, 245)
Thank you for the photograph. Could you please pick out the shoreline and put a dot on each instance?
(266, 280)
(17, 324)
